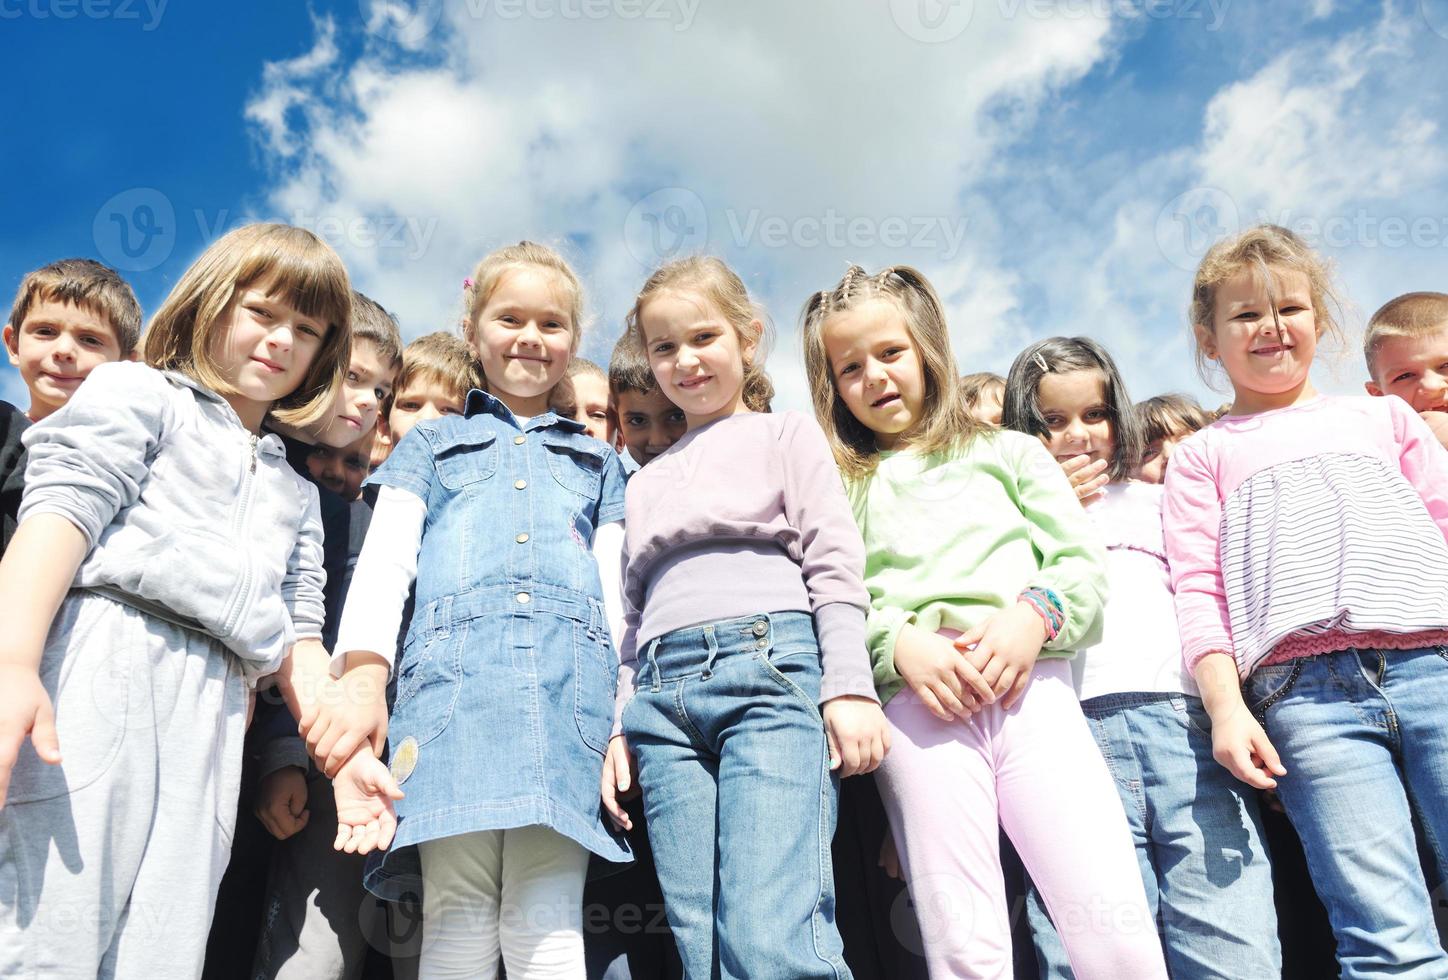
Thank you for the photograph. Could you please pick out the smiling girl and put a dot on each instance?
(167, 557)
(1306, 536)
(745, 691)
(1198, 833)
(983, 578)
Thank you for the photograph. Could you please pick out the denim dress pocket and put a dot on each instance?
(594, 680)
(464, 455)
(575, 464)
(428, 683)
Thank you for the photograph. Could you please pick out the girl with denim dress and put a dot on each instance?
(505, 684)
(745, 692)
(167, 557)
(1308, 542)
(983, 580)
(1198, 831)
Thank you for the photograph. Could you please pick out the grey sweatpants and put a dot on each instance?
(110, 861)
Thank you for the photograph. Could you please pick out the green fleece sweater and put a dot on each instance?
(953, 537)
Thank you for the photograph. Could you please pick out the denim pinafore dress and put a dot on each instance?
(505, 684)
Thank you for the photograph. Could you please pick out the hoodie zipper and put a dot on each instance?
(239, 524)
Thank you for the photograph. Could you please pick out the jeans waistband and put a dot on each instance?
(695, 649)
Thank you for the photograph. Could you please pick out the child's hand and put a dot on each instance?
(620, 782)
(858, 734)
(347, 713)
(1438, 422)
(890, 857)
(365, 792)
(1240, 744)
(25, 709)
(946, 682)
(1009, 642)
(1087, 478)
(281, 802)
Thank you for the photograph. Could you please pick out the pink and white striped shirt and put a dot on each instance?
(1308, 529)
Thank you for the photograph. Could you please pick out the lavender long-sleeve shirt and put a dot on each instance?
(745, 515)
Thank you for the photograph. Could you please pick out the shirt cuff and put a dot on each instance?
(844, 658)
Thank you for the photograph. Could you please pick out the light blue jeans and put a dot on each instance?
(1363, 735)
(740, 800)
(1198, 838)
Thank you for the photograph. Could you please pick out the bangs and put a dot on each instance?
(295, 266)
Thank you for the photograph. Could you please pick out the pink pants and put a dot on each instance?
(1037, 769)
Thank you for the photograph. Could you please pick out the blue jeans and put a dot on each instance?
(1363, 735)
(1198, 837)
(739, 796)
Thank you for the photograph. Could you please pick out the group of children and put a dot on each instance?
(499, 637)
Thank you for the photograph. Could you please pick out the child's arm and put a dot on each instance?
(35, 575)
(86, 463)
(371, 620)
(1422, 460)
(620, 772)
(832, 562)
(1062, 603)
(1239, 743)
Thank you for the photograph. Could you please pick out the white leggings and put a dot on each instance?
(518, 892)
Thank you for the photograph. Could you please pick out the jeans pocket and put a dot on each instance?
(795, 667)
(594, 681)
(427, 686)
(1194, 715)
(1268, 685)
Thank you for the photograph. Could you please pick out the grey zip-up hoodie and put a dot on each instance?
(189, 516)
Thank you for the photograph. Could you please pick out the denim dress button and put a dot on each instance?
(524, 598)
(519, 440)
(520, 485)
(522, 538)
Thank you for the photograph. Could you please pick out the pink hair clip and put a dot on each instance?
(467, 284)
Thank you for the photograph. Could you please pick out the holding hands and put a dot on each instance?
(366, 794)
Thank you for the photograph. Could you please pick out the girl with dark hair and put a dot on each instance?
(1197, 830)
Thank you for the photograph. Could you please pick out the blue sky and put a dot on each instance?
(1055, 166)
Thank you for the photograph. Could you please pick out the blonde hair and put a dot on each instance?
(717, 284)
(1410, 315)
(945, 422)
(288, 262)
(496, 265)
(1261, 249)
(87, 284)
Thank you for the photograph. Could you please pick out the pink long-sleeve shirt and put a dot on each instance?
(1308, 529)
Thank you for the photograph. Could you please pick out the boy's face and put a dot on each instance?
(424, 397)
(369, 381)
(1415, 369)
(591, 390)
(648, 423)
(342, 470)
(55, 347)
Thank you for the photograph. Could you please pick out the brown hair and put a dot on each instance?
(1163, 416)
(974, 386)
(721, 287)
(628, 368)
(1261, 249)
(288, 261)
(945, 421)
(1408, 315)
(85, 283)
(370, 322)
(441, 357)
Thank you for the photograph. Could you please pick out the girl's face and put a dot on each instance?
(1078, 419)
(1265, 335)
(523, 338)
(696, 355)
(876, 369)
(1155, 457)
(264, 350)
